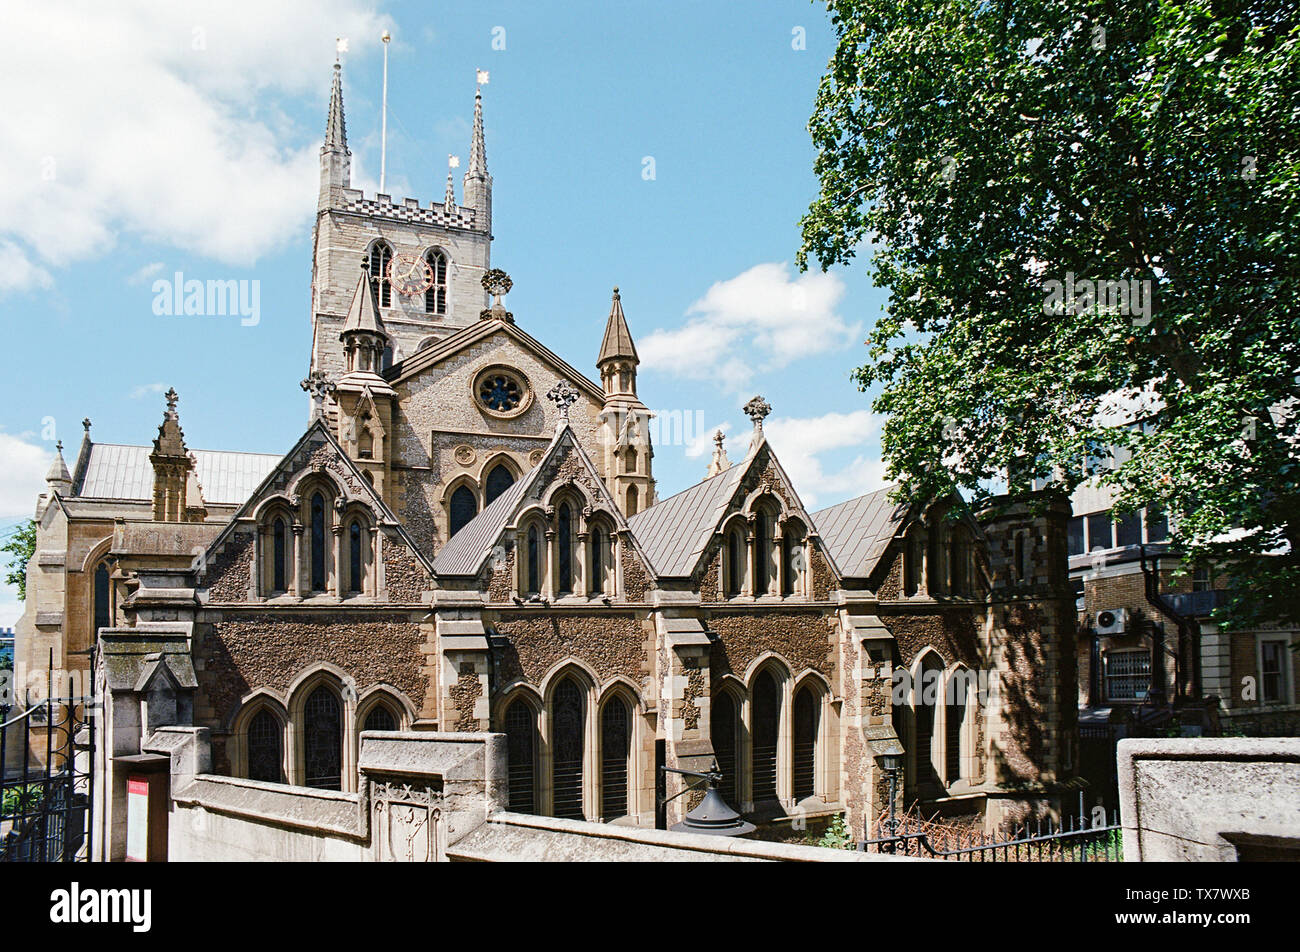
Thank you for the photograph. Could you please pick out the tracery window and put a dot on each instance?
(521, 756)
(498, 481)
(463, 508)
(323, 740)
(568, 718)
(435, 298)
(356, 558)
(265, 748)
(615, 748)
(500, 392)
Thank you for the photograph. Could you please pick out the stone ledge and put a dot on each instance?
(322, 811)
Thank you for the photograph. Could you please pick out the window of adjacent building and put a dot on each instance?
(1157, 526)
(521, 752)
(1099, 531)
(1201, 580)
(323, 740)
(498, 481)
(615, 748)
(1128, 529)
(568, 718)
(435, 298)
(464, 507)
(1272, 671)
(1075, 536)
(1128, 674)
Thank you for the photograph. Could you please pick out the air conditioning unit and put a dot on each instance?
(1112, 621)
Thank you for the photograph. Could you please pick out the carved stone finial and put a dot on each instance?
(757, 410)
(719, 463)
(172, 396)
(86, 424)
(58, 447)
(563, 395)
(319, 386)
(496, 282)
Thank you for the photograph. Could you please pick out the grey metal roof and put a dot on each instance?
(464, 552)
(674, 531)
(116, 471)
(857, 532)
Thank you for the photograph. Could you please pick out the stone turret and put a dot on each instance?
(625, 420)
(177, 495)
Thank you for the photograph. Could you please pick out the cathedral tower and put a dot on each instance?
(625, 420)
(426, 262)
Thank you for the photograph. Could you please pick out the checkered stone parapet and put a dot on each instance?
(410, 211)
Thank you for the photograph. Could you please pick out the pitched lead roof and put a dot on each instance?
(675, 531)
(116, 471)
(858, 531)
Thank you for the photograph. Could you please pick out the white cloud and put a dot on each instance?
(22, 477)
(799, 443)
(144, 273)
(17, 270)
(144, 389)
(162, 121)
(760, 320)
(702, 444)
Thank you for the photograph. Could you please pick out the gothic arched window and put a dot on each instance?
(735, 563)
(265, 748)
(630, 460)
(464, 507)
(632, 500)
(926, 697)
(534, 555)
(723, 729)
(762, 553)
(435, 298)
(954, 719)
(103, 601)
(792, 555)
(355, 558)
(318, 547)
(615, 747)
(498, 481)
(767, 719)
(596, 563)
(380, 718)
(278, 548)
(564, 543)
(380, 256)
(521, 756)
(805, 742)
(323, 740)
(568, 727)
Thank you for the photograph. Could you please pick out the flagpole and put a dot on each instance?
(383, 123)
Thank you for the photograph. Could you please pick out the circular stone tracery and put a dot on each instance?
(502, 392)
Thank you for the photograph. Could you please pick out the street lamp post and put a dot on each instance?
(891, 762)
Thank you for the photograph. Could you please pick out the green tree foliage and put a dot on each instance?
(986, 149)
(20, 545)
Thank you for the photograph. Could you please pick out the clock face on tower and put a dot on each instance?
(409, 275)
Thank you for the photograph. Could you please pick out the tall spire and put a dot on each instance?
(336, 127)
(617, 343)
(477, 146)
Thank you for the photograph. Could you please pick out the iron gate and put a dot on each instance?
(46, 753)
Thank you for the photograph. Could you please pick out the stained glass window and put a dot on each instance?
(103, 602)
(500, 393)
(521, 745)
(615, 746)
(723, 727)
(567, 746)
(498, 481)
(265, 751)
(805, 742)
(318, 543)
(323, 740)
(464, 507)
(380, 718)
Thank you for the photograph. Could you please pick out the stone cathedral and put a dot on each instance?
(469, 537)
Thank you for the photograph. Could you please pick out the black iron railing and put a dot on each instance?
(1073, 841)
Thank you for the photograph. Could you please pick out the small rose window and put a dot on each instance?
(500, 391)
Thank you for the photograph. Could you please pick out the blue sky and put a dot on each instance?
(186, 140)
